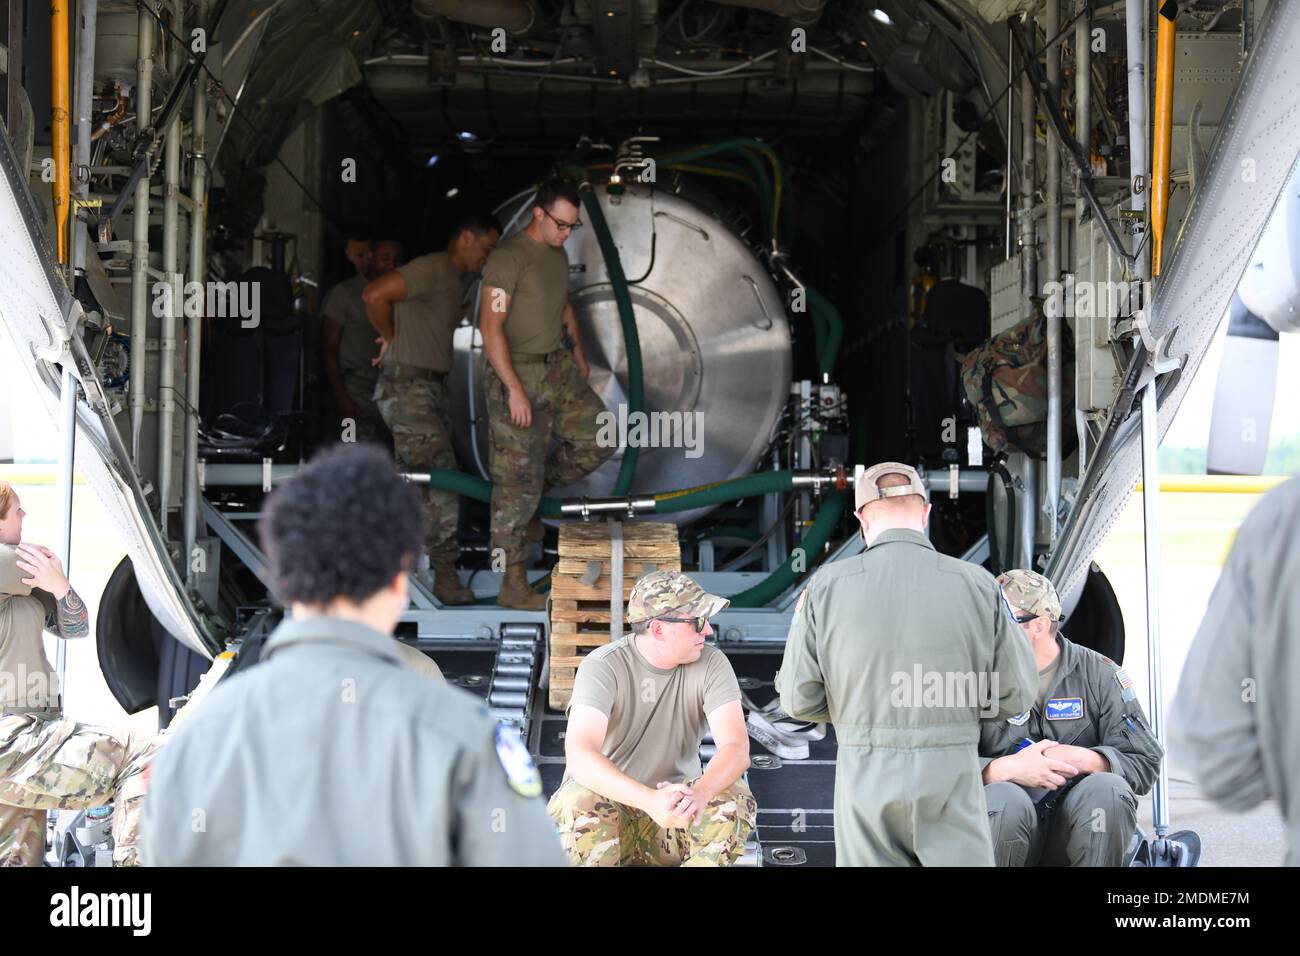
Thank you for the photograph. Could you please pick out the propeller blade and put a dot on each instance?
(1243, 395)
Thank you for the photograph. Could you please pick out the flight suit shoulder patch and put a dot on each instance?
(521, 772)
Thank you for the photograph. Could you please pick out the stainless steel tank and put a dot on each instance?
(714, 341)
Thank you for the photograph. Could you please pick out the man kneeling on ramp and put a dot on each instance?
(634, 793)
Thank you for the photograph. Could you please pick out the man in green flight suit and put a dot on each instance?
(1062, 779)
(904, 649)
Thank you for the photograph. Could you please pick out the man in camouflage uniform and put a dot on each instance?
(535, 388)
(47, 762)
(1062, 779)
(634, 793)
(415, 310)
(348, 345)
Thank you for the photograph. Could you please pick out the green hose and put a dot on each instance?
(831, 327)
(746, 148)
(721, 492)
(476, 489)
(631, 339)
(779, 580)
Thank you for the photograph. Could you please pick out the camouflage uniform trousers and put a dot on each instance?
(599, 832)
(416, 412)
(525, 461)
(360, 384)
(59, 764)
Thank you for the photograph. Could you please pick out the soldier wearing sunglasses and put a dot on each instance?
(634, 792)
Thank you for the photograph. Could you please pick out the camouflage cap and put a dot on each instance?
(866, 490)
(1030, 593)
(671, 594)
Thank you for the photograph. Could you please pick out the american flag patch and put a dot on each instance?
(1122, 678)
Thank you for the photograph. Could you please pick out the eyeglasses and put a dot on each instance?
(698, 623)
(561, 224)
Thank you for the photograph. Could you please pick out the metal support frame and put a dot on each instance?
(67, 459)
(198, 272)
(136, 397)
(15, 42)
(1028, 227)
(1083, 133)
(1011, 105)
(88, 11)
(1151, 576)
(1082, 164)
(147, 140)
(174, 278)
(1136, 40)
(1052, 187)
(239, 543)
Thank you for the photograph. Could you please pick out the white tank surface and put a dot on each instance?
(715, 347)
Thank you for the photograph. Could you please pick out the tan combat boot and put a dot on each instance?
(446, 584)
(516, 593)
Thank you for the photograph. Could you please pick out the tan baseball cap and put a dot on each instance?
(865, 489)
(1030, 593)
(671, 594)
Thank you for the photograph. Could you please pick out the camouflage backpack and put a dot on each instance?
(1006, 381)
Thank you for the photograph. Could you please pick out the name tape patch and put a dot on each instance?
(1065, 708)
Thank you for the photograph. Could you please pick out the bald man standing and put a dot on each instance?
(904, 650)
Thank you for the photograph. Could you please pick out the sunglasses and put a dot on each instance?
(1011, 613)
(561, 224)
(697, 622)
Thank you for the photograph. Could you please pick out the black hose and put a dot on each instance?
(998, 469)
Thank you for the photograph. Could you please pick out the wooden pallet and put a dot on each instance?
(580, 610)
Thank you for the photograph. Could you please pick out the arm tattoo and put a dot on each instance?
(74, 619)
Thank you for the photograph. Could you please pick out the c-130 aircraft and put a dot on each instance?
(803, 212)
